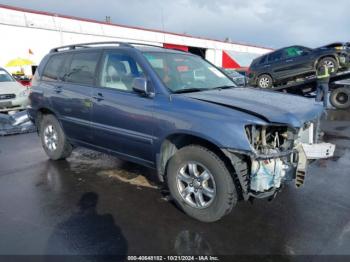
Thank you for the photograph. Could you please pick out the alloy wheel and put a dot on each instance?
(196, 185)
(264, 82)
(329, 63)
(50, 138)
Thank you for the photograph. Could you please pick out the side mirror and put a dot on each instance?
(140, 85)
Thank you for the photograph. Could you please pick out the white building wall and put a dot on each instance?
(24, 30)
(214, 56)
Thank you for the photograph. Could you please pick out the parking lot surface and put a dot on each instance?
(97, 204)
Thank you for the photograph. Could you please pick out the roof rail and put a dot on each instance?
(157, 46)
(133, 43)
(86, 45)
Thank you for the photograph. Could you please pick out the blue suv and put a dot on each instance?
(211, 142)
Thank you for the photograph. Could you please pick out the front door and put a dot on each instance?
(299, 60)
(122, 120)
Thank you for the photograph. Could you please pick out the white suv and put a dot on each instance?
(13, 96)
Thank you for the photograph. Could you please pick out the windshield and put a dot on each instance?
(5, 77)
(232, 73)
(183, 72)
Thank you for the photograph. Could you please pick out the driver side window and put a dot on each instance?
(119, 71)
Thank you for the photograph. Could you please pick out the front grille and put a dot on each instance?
(7, 96)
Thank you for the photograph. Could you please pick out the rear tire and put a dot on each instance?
(53, 138)
(330, 62)
(265, 81)
(218, 191)
(340, 98)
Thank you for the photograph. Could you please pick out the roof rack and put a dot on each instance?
(86, 45)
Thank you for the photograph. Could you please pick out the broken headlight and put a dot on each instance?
(270, 139)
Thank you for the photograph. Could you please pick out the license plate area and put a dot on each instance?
(5, 104)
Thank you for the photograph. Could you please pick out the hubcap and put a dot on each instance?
(329, 63)
(264, 82)
(50, 138)
(342, 98)
(196, 185)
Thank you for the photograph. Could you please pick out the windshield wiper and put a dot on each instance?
(189, 90)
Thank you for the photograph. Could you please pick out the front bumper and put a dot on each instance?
(267, 174)
(344, 59)
(318, 151)
(18, 103)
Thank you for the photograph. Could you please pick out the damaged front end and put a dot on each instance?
(280, 154)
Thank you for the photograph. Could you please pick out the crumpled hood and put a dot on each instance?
(11, 87)
(271, 106)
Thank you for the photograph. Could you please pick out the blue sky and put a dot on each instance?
(271, 23)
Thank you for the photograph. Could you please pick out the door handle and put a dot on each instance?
(58, 89)
(289, 60)
(267, 65)
(98, 97)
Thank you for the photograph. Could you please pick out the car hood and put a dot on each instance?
(325, 50)
(270, 106)
(10, 87)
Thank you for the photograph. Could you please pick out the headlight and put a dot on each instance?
(265, 139)
(339, 48)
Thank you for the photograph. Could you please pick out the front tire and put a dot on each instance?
(53, 138)
(265, 81)
(330, 62)
(200, 183)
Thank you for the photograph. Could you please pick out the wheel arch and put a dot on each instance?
(39, 115)
(172, 143)
(326, 56)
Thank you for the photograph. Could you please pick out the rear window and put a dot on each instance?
(53, 67)
(82, 68)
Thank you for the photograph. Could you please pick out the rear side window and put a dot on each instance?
(262, 60)
(53, 68)
(82, 68)
(276, 56)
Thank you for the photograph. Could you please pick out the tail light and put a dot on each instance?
(249, 72)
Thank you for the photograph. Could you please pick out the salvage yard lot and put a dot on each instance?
(40, 214)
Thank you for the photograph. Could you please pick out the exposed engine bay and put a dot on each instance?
(275, 161)
(281, 155)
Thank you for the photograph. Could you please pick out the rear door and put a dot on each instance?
(277, 64)
(122, 120)
(71, 96)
